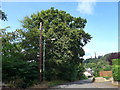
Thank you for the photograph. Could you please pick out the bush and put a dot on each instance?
(116, 69)
(64, 71)
(19, 73)
(107, 77)
(82, 77)
(56, 82)
(108, 68)
(67, 73)
(116, 72)
(116, 61)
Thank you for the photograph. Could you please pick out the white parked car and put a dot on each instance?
(89, 72)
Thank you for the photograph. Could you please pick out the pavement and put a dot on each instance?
(88, 84)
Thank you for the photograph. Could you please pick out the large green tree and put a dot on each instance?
(60, 25)
(66, 51)
(63, 56)
(15, 70)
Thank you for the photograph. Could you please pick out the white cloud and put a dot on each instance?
(87, 53)
(87, 50)
(86, 6)
(91, 53)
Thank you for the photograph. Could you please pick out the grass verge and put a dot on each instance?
(107, 77)
(56, 82)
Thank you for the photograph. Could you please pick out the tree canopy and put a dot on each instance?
(66, 29)
(63, 55)
(3, 16)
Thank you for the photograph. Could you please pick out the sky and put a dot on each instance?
(102, 21)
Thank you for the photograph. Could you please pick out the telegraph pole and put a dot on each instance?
(44, 61)
(40, 59)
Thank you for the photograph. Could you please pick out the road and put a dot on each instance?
(88, 84)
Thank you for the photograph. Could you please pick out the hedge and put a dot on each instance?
(116, 61)
(116, 69)
(19, 73)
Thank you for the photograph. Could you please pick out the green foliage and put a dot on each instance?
(116, 69)
(3, 16)
(80, 69)
(63, 59)
(97, 65)
(113, 56)
(107, 77)
(20, 74)
(108, 68)
(82, 77)
(64, 54)
(74, 72)
(116, 61)
(56, 82)
(16, 71)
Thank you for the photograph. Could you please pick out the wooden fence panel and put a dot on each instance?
(105, 73)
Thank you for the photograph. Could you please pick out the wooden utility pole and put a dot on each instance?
(40, 59)
(44, 60)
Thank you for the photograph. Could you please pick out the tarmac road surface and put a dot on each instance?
(88, 84)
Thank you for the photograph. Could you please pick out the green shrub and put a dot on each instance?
(107, 69)
(65, 71)
(19, 73)
(82, 77)
(56, 82)
(116, 61)
(116, 69)
(107, 77)
(116, 72)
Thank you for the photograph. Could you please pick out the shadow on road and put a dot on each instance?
(90, 80)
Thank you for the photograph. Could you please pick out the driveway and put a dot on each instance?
(88, 84)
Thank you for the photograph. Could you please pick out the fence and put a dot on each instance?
(105, 73)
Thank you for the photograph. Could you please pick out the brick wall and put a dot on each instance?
(105, 73)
